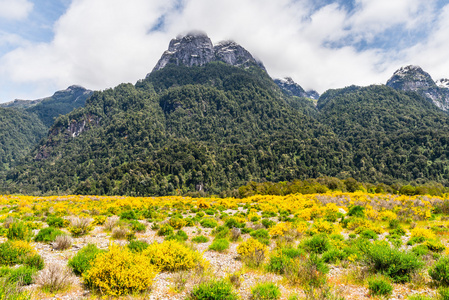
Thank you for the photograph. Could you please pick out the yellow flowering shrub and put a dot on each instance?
(23, 247)
(422, 232)
(387, 215)
(250, 246)
(171, 255)
(120, 272)
(358, 222)
(280, 229)
(321, 226)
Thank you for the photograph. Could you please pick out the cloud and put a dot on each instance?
(101, 43)
(15, 9)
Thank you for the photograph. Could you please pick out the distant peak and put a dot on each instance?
(408, 69)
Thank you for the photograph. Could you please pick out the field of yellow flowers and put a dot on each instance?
(318, 246)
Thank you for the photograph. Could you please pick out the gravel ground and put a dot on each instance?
(221, 265)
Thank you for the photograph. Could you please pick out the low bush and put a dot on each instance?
(136, 226)
(265, 291)
(128, 215)
(120, 233)
(47, 235)
(138, 246)
(82, 261)
(439, 272)
(11, 291)
(208, 223)
(180, 236)
(213, 290)
(55, 278)
(57, 222)
(22, 275)
(15, 252)
(319, 243)
(177, 222)
(120, 272)
(165, 229)
(252, 252)
(233, 222)
(19, 231)
(396, 264)
(80, 226)
(219, 245)
(62, 242)
(34, 261)
(379, 286)
(200, 239)
(173, 256)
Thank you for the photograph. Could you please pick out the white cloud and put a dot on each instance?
(101, 43)
(15, 9)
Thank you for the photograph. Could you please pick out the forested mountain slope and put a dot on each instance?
(211, 119)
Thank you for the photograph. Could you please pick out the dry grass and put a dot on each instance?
(55, 278)
(110, 223)
(62, 242)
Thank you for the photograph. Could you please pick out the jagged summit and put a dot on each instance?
(415, 79)
(196, 49)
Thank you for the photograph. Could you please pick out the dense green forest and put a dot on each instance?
(217, 127)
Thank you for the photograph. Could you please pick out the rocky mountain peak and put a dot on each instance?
(410, 78)
(196, 49)
(414, 79)
(293, 89)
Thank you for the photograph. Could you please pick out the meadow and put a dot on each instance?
(333, 245)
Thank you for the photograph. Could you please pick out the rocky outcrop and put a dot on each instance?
(196, 49)
(414, 79)
(293, 89)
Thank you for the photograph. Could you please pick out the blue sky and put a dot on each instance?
(47, 45)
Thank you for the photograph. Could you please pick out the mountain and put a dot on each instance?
(196, 49)
(293, 89)
(209, 118)
(47, 109)
(414, 79)
(443, 83)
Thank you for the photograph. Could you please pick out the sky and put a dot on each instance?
(48, 45)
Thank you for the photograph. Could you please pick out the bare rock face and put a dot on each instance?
(196, 49)
(414, 79)
(233, 54)
(293, 89)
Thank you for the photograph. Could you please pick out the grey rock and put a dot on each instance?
(293, 89)
(414, 79)
(196, 49)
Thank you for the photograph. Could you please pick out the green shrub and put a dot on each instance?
(268, 223)
(82, 261)
(444, 293)
(57, 222)
(396, 264)
(213, 290)
(439, 272)
(416, 240)
(281, 258)
(19, 231)
(379, 286)
(319, 243)
(434, 246)
(219, 245)
(165, 229)
(420, 250)
(14, 252)
(208, 223)
(232, 222)
(34, 261)
(138, 246)
(265, 291)
(356, 211)
(136, 226)
(220, 232)
(180, 236)
(47, 235)
(11, 291)
(200, 239)
(22, 275)
(334, 255)
(128, 215)
(209, 212)
(260, 234)
(397, 231)
(369, 234)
